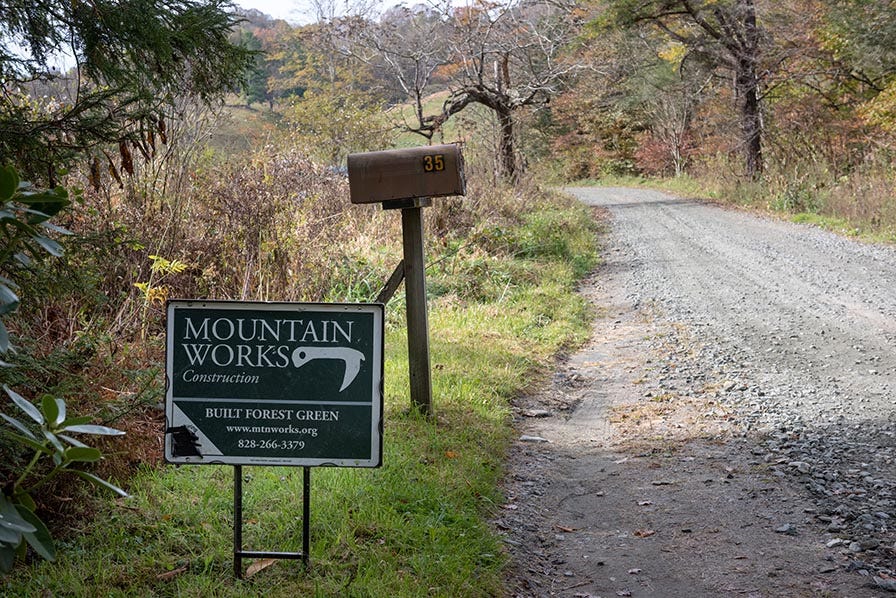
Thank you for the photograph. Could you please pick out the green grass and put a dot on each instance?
(843, 226)
(241, 129)
(504, 306)
(457, 128)
(827, 222)
(682, 185)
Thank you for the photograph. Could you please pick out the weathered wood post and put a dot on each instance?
(407, 179)
(417, 314)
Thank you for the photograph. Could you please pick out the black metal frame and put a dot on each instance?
(238, 553)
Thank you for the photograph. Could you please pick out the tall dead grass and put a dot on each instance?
(275, 227)
(817, 163)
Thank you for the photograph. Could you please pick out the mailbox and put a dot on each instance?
(428, 171)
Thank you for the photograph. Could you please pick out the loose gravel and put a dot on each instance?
(801, 325)
(731, 426)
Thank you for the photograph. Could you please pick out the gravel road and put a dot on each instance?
(772, 345)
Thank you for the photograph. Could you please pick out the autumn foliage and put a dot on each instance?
(662, 99)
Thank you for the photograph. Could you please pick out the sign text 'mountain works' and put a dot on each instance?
(274, 383)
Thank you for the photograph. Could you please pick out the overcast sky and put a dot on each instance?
(293, 11)
(302, 12)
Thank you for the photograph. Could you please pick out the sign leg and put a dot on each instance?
(418, 321)
(238, 521)
(306, 515)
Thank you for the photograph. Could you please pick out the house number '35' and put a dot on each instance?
(434, 163)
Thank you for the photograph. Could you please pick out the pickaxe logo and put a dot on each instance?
(350, 357)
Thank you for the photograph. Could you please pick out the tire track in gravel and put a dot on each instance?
(729, 429)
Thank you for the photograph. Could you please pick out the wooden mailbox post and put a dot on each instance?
(407, 179)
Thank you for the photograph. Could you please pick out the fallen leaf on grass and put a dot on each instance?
(643, 533)
(451, 454)
(172, 574)
(259, 565)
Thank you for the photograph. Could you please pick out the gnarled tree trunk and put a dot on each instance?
(748, 92)
(506, 149)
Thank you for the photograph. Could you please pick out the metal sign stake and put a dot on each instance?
(239, 554)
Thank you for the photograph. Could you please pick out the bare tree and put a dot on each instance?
(510, 56)
(503, 55)
(408, 45)
(668, 93)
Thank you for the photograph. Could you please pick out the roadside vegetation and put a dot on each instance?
(503, 269)
(251, 204)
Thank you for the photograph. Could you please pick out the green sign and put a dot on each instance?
(274, 383)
